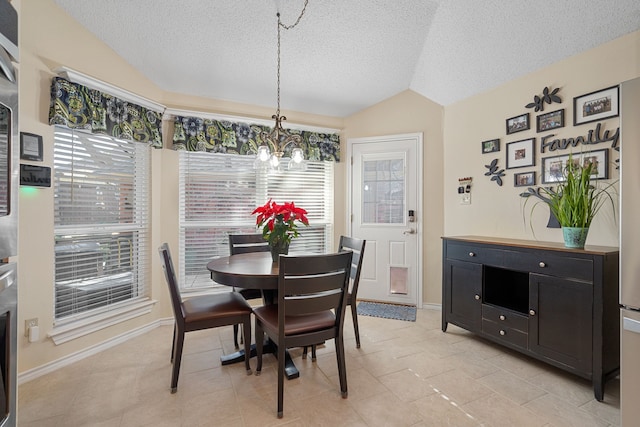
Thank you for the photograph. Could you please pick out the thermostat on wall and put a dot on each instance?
(35, 176)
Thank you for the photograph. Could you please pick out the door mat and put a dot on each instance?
(387, 311)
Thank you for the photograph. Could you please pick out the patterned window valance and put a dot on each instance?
(79, 107)
(221, 136)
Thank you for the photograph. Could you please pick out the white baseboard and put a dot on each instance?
(431, 306)
(34, 373)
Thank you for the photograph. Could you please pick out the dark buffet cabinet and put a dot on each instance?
(555, 304)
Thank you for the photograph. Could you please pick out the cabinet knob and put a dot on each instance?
(502, 332)
(542, 264)
(472, 254)
(532, 312)
(502, 317)
(477, 296)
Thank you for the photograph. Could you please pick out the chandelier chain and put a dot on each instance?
(286, 27)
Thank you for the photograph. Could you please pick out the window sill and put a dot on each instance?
(86, 326)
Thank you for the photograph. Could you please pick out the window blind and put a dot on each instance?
(101, 224)
(218, 192)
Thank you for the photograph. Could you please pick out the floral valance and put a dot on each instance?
(79, 107)
(221, 136)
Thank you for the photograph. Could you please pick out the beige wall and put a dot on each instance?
(499, 211)
(409, 112)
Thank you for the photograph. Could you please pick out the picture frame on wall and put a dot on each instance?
(518, 123)
(490, 146)
(521, 154)
(553, 167)
(31, 147)
(599, 105)
(548, 121)
(524, 179)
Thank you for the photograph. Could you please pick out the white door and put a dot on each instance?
(385, 190)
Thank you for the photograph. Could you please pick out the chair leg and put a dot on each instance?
(304, 351)
(259, 347)
(342, 366)
(313, 353)
(235, 336)
(281, 351)
(177, 358)
(246, 333)
(173, 342)
(354, 315)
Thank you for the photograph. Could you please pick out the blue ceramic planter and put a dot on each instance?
(575, 237)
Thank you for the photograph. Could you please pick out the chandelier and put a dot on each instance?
(279, 138)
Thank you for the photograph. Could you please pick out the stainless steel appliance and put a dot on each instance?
(629, 252)
(8, 212)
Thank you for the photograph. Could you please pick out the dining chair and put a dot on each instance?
(311, 304)
(242, 244)
(202, 312)
(357, 247)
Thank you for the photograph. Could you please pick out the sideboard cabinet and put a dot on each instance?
(549, 302)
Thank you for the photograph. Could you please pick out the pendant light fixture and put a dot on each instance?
(279, 138)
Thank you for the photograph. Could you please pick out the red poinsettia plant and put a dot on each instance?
(278, 222)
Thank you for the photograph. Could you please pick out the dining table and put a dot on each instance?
(253, 270)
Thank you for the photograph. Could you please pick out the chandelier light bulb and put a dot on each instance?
(263, 153)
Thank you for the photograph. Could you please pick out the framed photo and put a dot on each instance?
(517, 123)
(553, 167)
(524, 179)
(598, 105)
(490, 146)
(521, 153)
(548, 121)
(31, 146)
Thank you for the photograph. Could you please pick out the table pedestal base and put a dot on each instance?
(290, 369)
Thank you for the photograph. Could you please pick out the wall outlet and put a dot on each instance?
(28, 324)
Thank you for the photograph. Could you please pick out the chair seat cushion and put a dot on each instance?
(294, 325)
(214, 306)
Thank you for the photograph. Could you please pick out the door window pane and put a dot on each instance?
(383, 191)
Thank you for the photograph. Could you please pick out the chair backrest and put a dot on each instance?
(244, 243)
(313, 283)
(170, 275)
(357, 247)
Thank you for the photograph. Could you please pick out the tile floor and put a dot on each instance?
(405, 374)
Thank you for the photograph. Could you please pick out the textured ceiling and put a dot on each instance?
(346, 55)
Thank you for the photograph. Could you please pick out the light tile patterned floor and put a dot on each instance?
(405, 374)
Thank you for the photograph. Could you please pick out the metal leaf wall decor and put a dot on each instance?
(495, 174)
(548, 97)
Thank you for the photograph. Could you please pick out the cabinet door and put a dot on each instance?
(462, 294)
(560, 320)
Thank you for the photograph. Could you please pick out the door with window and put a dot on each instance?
(385, 200)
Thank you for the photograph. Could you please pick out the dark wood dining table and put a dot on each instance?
(254, 270)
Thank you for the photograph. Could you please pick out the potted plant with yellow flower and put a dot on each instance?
(279, 225)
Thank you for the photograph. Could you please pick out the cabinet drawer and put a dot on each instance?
(503, 333)
(479, 254)
(551, 265)
(506, 318)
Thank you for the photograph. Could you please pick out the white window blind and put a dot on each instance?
(101, 223)
(218, 192)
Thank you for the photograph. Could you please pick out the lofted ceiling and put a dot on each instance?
(346, 55)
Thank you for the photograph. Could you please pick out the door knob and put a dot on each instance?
(410, 231)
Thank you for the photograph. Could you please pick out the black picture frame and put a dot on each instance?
(553, 167)
(551, 120)
(521, 153)
(524, 179)
(31, 147)
(490, 146)
(599, 105)
(518, 123)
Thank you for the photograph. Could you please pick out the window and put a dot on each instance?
(218, 192)
(101, 223)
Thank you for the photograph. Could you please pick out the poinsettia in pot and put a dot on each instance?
(279, 225)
